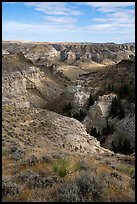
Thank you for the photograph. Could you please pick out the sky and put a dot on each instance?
(98, 22)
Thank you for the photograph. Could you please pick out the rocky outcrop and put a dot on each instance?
(4, 52)
(73, 53)
(25, 84)
(125, 128)
(97, 113)
(42, 53)
(104, 102)
(80, 96)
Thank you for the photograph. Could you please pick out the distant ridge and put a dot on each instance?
(83, 43)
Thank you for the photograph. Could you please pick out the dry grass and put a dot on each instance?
(126, 169)
(117, 193)
(8, 166)
(4, 151)
(23, 196)
(102, 168)
(117, 190)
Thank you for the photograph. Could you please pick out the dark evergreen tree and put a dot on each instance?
(108, 129)
(94, 132)
(114, 147)
(91, 101)
(126, 147)
(125, 91)
(111, 87)
(80, 116)
(67, 107)
(121, 113)
(116, 109)
(123, 147)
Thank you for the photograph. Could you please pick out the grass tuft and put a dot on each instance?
(61, 167)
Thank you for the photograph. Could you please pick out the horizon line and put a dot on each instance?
(25, 41)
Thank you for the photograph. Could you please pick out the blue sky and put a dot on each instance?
(69, 21)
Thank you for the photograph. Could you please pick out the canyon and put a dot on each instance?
(68, 100)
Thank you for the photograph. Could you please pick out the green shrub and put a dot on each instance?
(130, 170)
(61, 167)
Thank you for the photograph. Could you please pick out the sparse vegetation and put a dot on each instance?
(127, 169)
(68, 193)
(69, 180)
(91, 187)
(124, 91)
(85, 188)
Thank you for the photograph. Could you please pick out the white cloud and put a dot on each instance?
(60, 20)
(34, 28)
(117, 19)
(44, 32)
(100, 20)
(55, 8)
(39, 32)
(108, 7)
(109, 4)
